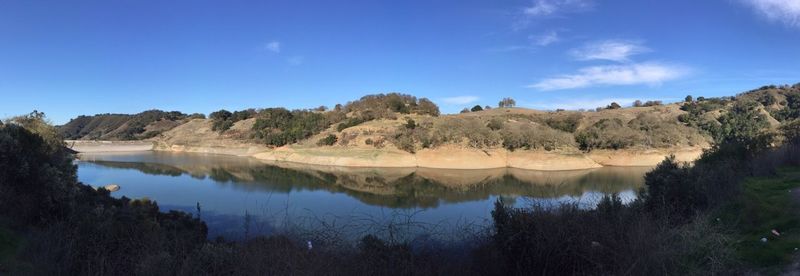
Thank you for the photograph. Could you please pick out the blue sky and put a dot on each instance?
(68, 58)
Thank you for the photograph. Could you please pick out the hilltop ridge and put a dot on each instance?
(398, 130)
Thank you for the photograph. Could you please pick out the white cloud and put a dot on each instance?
(545, 8)
(459, 100)
(273, 46)
(784, 11)
(629, 74)
(295, 60)
(613, 50)
(546, 38)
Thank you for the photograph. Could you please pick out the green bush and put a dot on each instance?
(278, 126)
(568, 123)
(410, 124)
(495, 124)
(607, 134)
(529, 136)
(351, 122)
(329, 140)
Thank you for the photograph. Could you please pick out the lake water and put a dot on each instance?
(243, 196)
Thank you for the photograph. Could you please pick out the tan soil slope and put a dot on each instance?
(197, 136)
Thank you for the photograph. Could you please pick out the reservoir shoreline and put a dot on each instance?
(439, 158)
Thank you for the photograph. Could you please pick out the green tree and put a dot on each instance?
(744, 125)
(507, 102)
(476, 108)
(613, 105)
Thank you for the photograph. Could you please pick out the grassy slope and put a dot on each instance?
(767, 203)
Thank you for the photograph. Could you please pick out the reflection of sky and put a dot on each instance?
(224, 205)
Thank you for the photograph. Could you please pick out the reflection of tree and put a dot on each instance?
(146, 168)
(401, 188)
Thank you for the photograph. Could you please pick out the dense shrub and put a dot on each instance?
(223, 120)
(329, 140)
(278, 126)
(743, 124)
(663, 133)
(567, 123)
(791, 131)
(533, 136)
(476, 108)
(117, 126)
(671, 190)
(73, 229)
(495, 124)
(458, 130)
(383, 105)
(607, 134)
(351, 122)
(791, 110)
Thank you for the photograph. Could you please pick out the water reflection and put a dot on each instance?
(385, 187)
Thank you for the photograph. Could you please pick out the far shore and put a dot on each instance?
(440, 158)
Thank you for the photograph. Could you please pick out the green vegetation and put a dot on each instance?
(507, 102)
(223, 120)
(71, 228)
(278, 126)
(122, 126)
(329, 140)
(530, 136)
(351, 122)
(568, 123)
(744, 179)
(766, 204)
(607, 134)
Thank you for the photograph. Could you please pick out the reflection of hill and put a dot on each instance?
(390, 187)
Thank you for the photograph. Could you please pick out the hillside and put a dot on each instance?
(401, 130)
(123, 126)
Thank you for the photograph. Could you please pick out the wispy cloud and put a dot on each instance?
(459, 100)
(612, 50)
(784, 11)
(273, 46)
(295, 60)
(629, 74)
(545, 8)
(546, 38)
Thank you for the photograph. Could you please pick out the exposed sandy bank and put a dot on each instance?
(447, 157)
(455, 158)
(109, 146)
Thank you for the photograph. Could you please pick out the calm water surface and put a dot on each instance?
(243, 195)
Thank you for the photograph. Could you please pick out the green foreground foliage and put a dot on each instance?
(766, 204)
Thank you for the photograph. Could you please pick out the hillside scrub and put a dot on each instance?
(120, 126)
(279, 126)
(653, 125)
(531, 136)
(223, 120)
